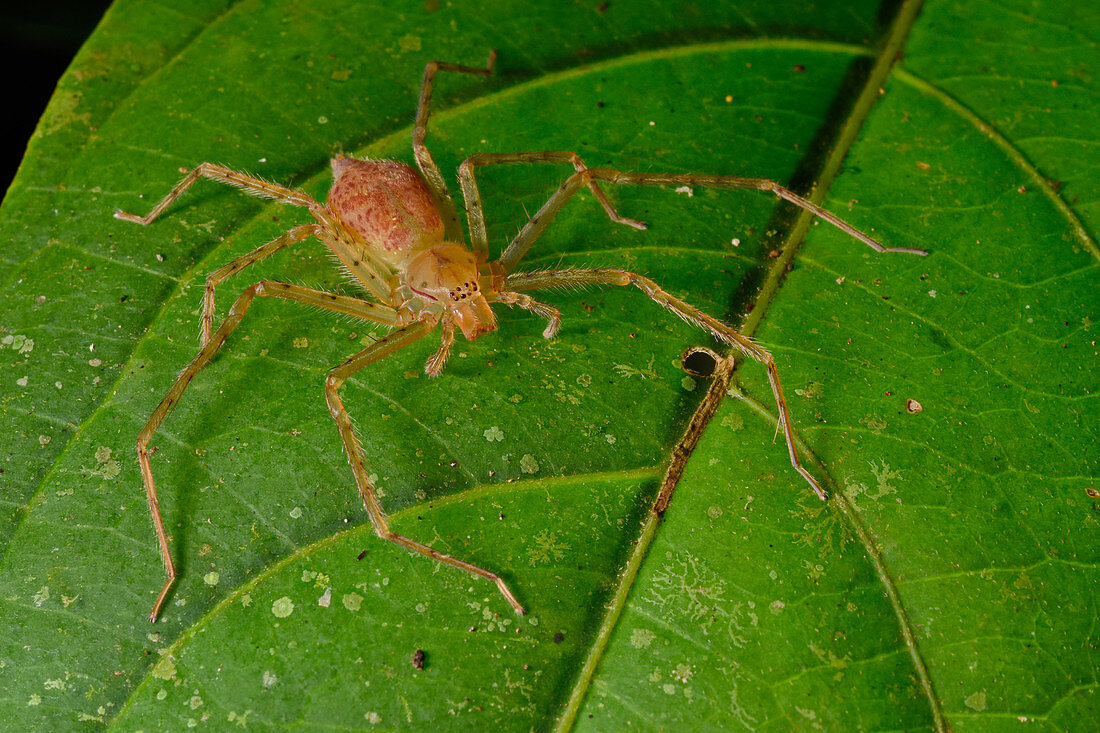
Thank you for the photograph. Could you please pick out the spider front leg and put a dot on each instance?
(691, 314)
(328, 301)
(378, 350)
(526, 302)
(475, 216)
(535, 226)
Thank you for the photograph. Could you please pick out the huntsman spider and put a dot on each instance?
(398, 233)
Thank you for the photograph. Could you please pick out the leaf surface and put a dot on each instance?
(952, 578)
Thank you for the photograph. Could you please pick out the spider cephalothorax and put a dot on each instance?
(397, 232)
(447, 274)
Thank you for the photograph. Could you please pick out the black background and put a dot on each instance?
(37, 43)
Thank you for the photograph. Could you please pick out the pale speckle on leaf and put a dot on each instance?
(528, 464)
(733, 421)
(641, 638)
(282, 607)
(975, 701)
(165, 669)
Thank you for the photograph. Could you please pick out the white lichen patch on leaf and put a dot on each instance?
(282, 607)
(829, 657)
(629, 370)
(528, 464)
(733, 421)
(490, 620)
(211, 578)
(975, 701)
(165, 669)
(106, 467)
(812, 390)
(641, 638)
(873, 422)
(813, 572)
(352, 601)
(240, 719)
(687, 590)
(546, 548)
(17, 342)
(493, 434)
(884, 476)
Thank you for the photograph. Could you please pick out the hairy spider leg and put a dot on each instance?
(363, 264)
(393, 342)
(475, 216)
(538, 223)
(605, 276)
(267, 288)
(526, 302)
(243, 181)
(609, 276)
(452, 226)
(226, 271)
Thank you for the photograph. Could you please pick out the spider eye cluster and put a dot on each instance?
(463, 291)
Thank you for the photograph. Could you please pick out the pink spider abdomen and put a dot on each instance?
(386, 203)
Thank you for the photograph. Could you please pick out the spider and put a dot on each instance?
(398, 233)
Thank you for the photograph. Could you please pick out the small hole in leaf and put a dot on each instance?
(699, 361)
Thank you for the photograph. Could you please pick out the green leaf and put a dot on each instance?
(949, 581)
